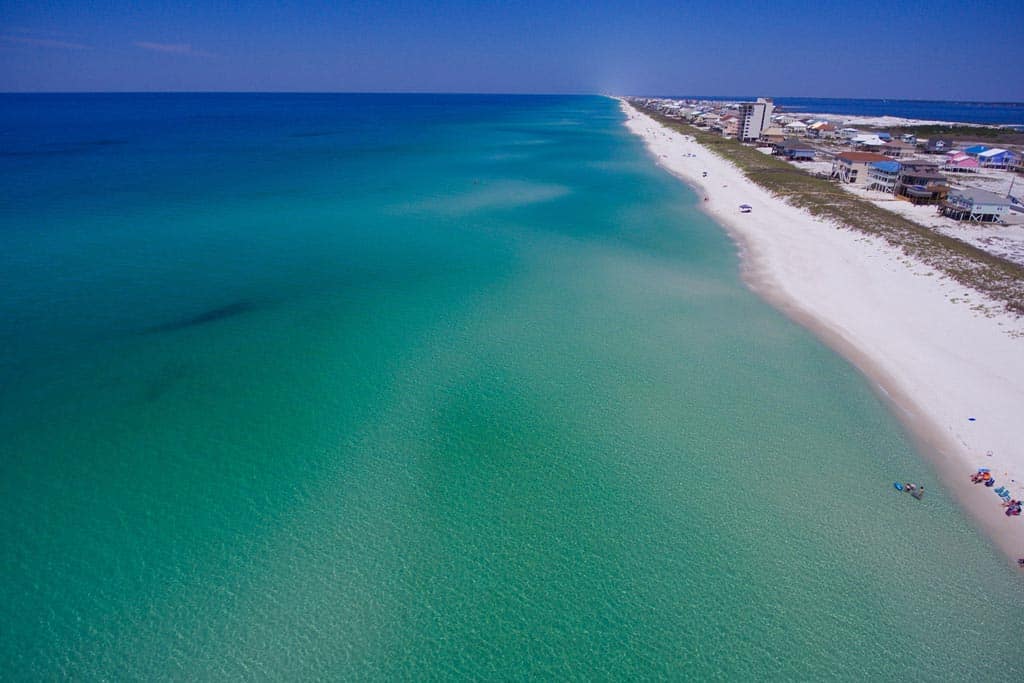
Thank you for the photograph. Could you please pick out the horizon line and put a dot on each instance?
(493, 93)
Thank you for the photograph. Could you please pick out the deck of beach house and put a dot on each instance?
(975, 205)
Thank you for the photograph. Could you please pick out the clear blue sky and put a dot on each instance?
(942, 49)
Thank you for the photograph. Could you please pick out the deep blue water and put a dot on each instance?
(1003, 113)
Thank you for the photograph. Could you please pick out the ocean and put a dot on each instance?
(423, 386)
(996, 113)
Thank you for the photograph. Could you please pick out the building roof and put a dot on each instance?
(977, 149)
(962, 162)
(975, 196)
(791, 143)
(862, 157)
(796, 124)
(993, 152)
(868, 139)
(887, 166)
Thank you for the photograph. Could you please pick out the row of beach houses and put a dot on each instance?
(875, 161)
(918, 183)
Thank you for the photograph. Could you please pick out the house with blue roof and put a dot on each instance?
(976, 150)
(883, 176)
(996, 158)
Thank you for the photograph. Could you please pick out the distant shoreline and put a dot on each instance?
(940, 112)
(938, 363)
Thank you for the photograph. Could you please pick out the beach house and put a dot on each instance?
(852, 167)
(958, 162)
(772, 135)
(754, 117)
(921, 183)
(868, 142)
(795, 128)
(975, 150)
(794, 149)
(707, 119)
(995, 158)
(975, 205)
(821, 129)
(897, 149)
(729, 125)
(883, 176)
(938, 145)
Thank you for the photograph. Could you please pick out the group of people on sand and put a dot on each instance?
(983, 477)
(1013, 506)
(914, 490)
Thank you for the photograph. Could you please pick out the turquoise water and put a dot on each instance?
(431, 387)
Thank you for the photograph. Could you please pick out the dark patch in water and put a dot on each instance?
(206, 317)
(52, 150)
(168, 378)
(313, 134)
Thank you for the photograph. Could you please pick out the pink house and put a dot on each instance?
(958, 162)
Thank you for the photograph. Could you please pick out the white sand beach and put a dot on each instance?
(940, 353)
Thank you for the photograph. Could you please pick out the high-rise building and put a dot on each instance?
(754, 118)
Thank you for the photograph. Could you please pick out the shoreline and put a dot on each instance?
(934, 358)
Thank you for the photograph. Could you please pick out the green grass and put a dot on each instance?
(992, 275)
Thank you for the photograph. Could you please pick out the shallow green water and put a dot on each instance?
(381, 387)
